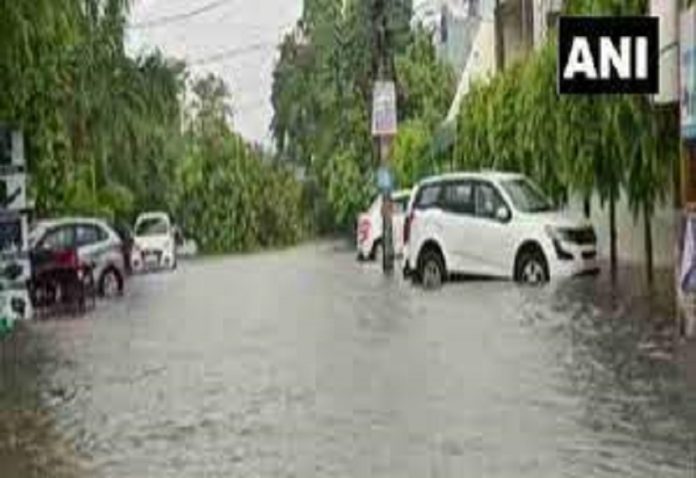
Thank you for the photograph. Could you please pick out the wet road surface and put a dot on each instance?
(304, 363)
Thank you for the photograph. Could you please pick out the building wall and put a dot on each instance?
(480, 64)
(543, 15)
(524, 25)
(461, 32)
(454, 25)
(427, 13)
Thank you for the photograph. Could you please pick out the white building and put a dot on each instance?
(505, 32)
(428, 15)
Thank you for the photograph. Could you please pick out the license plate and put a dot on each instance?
(151, 258)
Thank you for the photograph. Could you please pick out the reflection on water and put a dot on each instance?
(304, 363)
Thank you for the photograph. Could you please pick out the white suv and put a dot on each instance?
(492, 224)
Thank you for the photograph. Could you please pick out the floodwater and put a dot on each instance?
(304, 363)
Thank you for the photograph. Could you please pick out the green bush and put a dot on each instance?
(230, 200)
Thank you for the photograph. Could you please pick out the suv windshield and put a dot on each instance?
(526, 196)
(154, 226)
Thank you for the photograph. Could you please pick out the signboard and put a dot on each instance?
(608, 55)
(5, 146)
(384, 109)
(11, 149)
(667, 12)
(13, 194)
(687, 66)
(687, 273)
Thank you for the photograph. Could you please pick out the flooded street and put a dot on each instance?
(305, 363)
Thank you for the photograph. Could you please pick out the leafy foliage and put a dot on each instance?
(227, 194)
(91, 115)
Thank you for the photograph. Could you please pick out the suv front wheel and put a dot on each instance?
(531, 268)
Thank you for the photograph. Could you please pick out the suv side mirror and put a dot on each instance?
(502, 214)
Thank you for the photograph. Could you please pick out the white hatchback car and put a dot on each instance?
(369, 232)
(495, 225)
(154, 242)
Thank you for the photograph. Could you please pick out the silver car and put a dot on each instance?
(96, 243)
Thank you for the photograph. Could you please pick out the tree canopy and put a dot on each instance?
(322, 95)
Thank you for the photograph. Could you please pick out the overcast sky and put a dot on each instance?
(249, 30)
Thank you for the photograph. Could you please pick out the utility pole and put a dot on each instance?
(499, 39)
(384, 126)
(384, 153)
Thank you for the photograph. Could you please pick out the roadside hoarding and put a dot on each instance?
(686, 274)
(687, 66)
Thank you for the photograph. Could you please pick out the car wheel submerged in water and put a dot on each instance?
(532, 268)
(431, 270)
(110, 283)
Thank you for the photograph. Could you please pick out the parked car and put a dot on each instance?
(94, 241)
(154, 242)
(492, 224)
(369, 231)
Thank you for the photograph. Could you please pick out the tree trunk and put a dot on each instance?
(613, 252)
(587, 206)
(649, 259)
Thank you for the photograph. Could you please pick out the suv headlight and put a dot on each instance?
(558, 233)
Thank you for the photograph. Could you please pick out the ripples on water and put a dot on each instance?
(304, 363)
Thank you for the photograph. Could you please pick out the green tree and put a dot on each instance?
(228, 195)
(322, 95)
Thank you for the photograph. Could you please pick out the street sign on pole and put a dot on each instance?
(384, 109)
